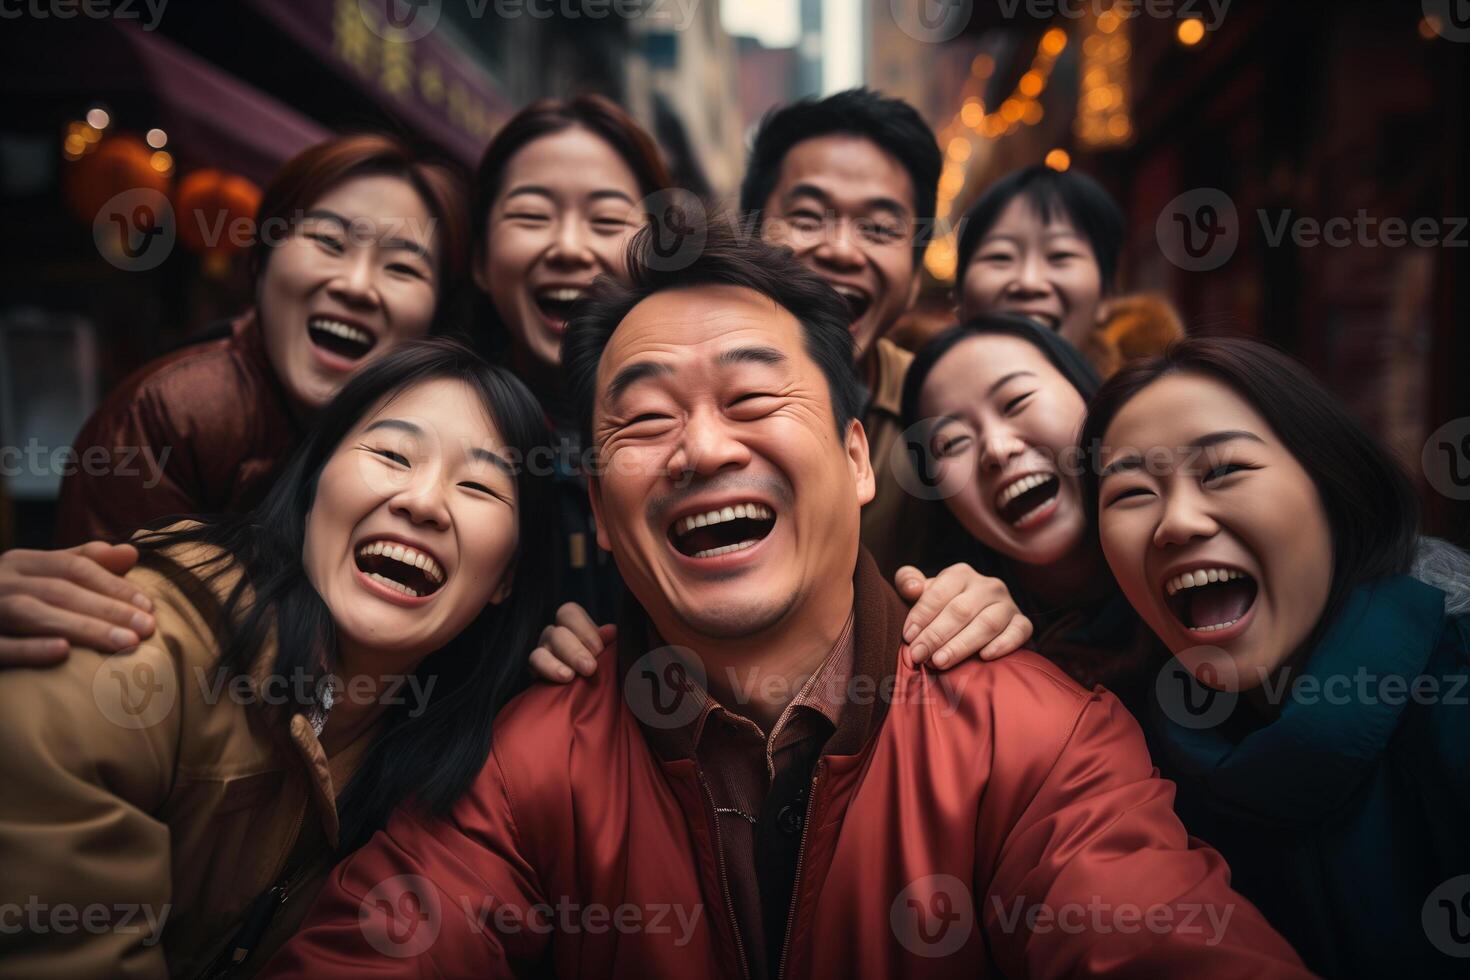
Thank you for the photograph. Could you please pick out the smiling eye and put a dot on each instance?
(949, 447)
(1130, 492)
(1224, 470)
(330, 242)
(388, 454)
(1017, 402)
(487, 491)
(805, 220)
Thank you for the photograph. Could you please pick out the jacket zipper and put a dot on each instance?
(258, 916)
(724, 878)
(806, 824)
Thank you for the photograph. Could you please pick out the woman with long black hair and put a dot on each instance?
(338, 651)
(992, 409)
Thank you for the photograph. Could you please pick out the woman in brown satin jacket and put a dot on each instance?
(171, 812)
(357, 245)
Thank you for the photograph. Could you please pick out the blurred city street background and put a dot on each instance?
(1293, 171)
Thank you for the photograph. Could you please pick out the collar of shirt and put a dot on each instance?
(816, 708)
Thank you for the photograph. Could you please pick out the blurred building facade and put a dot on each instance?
(1298, 115)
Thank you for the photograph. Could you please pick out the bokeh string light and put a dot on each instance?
(1021, 108)
(1103, 118)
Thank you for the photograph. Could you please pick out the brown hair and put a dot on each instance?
(601, 115)
(304, 178)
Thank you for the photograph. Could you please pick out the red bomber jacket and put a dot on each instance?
(994, 820)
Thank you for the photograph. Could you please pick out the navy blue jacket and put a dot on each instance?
(1346, 819)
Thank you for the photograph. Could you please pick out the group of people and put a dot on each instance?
(514, 602)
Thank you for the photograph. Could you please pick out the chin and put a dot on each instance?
(733, 620)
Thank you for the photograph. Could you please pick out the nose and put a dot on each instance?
(1183, 519)
(837, 247)
(570, 246)
(421, 501)
(1030, 280)
(356, 284)
(706, 447)
(998, 446)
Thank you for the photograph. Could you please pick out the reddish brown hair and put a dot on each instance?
(304, 178)
(593, 112)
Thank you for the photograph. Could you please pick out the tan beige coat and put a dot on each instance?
(138, 796)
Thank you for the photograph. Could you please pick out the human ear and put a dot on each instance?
(858, 461)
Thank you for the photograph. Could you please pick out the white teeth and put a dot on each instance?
(1211, 629)
(1203, 576)
(392, 584)
(1013, 490)
(408, 556)
(711, 552)
(754, 512)
(341, 329)
(848, 291)
(561, 295)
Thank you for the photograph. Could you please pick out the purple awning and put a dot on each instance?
(416, 76)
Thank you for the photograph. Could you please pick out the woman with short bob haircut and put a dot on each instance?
(1045, 243)
(338, 651)
(1272, 545)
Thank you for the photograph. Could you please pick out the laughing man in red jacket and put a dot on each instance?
(756, 783)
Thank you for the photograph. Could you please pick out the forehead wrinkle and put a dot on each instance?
(747, 314)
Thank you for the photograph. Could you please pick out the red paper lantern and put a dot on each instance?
(208, 208)
(120, 163)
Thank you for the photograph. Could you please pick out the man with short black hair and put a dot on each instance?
(757, 783)
(848, 183)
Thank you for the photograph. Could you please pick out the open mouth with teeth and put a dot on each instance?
(556, 303)
(401, 568)
(1050, 321)
(1026, 496)
(722, 531)
(1206, 600)
(857, 302)
(342, 339)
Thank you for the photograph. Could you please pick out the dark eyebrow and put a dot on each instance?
(405, 245)
(750, 355)
(1009, 377)
(632, 374)
(402, 425)
(327, 215)
(1224, 435)
(536, 189)
(610, 192)
(494, 459)
(398, 243)
(1132, 461)
(893, 205)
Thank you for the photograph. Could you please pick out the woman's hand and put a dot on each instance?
(958, 613)
(570, 645)
(52, 600)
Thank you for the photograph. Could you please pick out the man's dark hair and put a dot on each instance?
(894, 125)
(1068, 193)
(724, 259)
